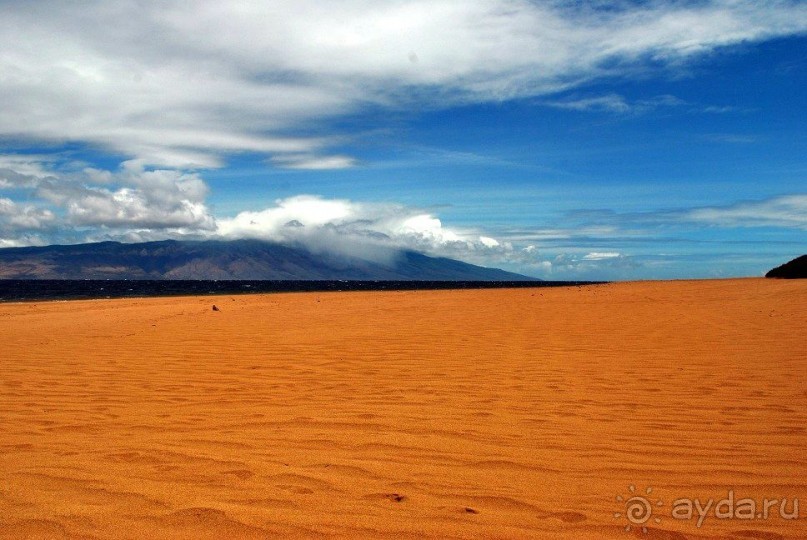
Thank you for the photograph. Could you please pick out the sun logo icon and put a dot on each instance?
(638, 509)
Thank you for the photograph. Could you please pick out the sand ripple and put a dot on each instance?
(448, 414)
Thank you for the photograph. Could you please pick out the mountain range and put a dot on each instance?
(232, 259)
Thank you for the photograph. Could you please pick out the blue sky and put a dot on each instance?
(565, 140)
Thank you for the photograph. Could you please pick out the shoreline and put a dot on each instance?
(31, 290)
(177, 288)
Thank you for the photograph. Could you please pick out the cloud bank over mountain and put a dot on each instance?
(138, 204)
(135, 204)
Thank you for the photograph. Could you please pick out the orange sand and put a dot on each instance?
(476, 414)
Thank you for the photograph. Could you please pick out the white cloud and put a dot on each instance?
(314, 163)
(157, 199)
(22, 241)
(786, 211)
(30, 165)
(134, 203)
(615, 103)
(610, 103)
(285, 218)
(183, 85)
(349, 227)
(131, 197)
(597, 267)
(16, 217)
(601, 255)
(22, 171)
(24, 224)
(488, 241)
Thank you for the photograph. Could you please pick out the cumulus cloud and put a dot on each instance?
(14, 216)
(368, 230)
(26, 164)
(179, 85)
(129, 198)
(157, 199)
(135, 203)
(22, 171)
(23, 224)
(488, 241)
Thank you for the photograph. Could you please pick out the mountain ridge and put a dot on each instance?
(231, 260)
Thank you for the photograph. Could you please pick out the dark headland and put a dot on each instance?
(795, 269)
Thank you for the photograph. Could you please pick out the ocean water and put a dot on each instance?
(13, 290)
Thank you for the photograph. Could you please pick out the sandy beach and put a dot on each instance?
(517, 413)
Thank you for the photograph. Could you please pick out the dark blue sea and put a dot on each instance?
(12, 290)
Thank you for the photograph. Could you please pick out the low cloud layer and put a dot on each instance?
(359, 229)
(65, 203)
(787, 211)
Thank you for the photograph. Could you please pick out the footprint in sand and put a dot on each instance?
(242, 474)
(394, 497)
(570, 517)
